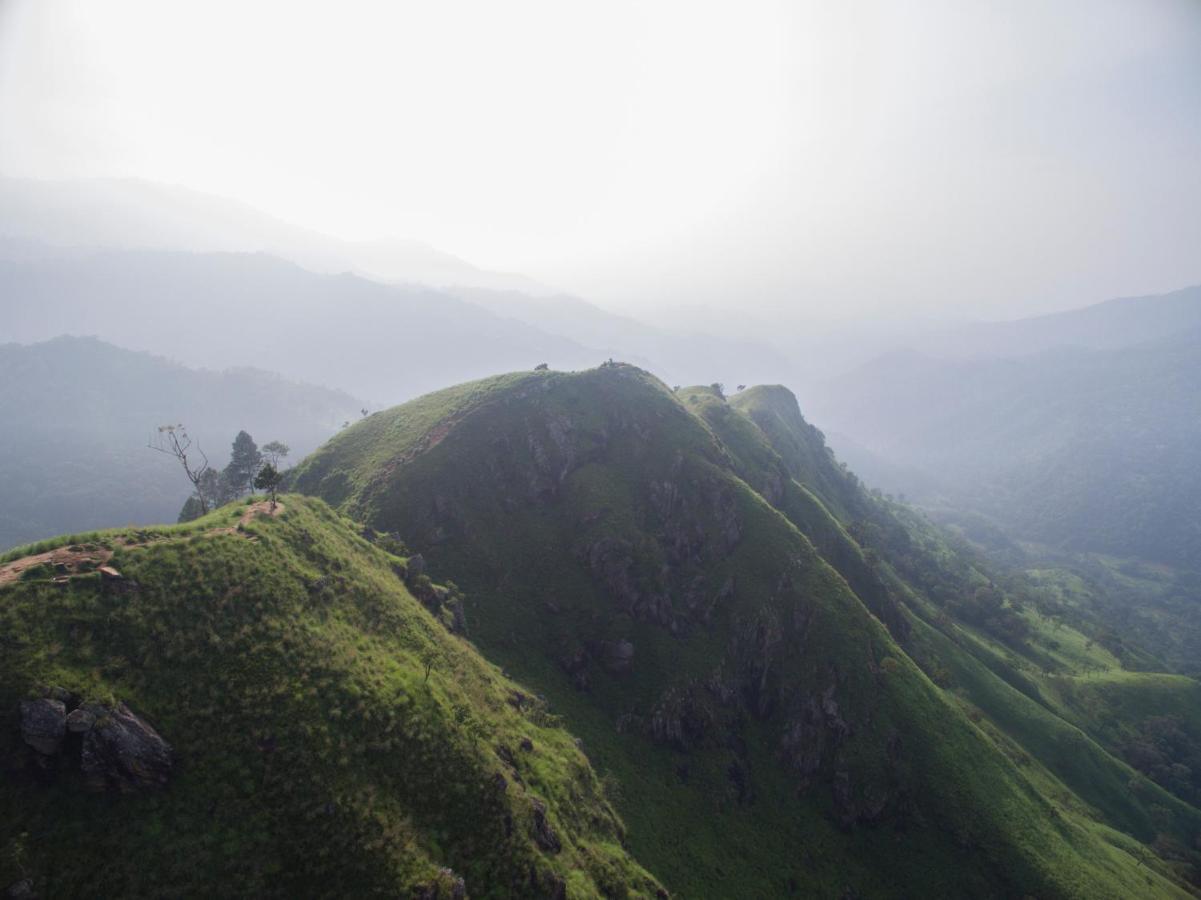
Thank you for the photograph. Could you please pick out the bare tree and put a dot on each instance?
(175, 441)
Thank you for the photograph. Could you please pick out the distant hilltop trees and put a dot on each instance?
(247, 468)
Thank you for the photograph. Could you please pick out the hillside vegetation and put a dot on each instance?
(795, 688)
(328, 734)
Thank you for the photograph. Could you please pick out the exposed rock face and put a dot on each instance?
(681, 719)
(416, 565)
(118, 748)
(445, 603)
(814, 733)
(575, 662)
(81, 720)
(43, 724)
(544, 834)
(445, 886)
(122, 750)
(611, 561)
(545, 884)
(619, 656)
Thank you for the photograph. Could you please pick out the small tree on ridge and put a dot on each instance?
(175, 441)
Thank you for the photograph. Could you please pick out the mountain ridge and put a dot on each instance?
(606, 539)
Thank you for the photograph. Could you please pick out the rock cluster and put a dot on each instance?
(116, 748)
(446, 603)
(43, 724)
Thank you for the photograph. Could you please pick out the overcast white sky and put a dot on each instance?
(963, 157)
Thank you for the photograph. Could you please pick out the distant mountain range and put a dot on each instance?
(69, 247)
(131, 214)
(1108, 325)
(78, 414)
(381, 342)
(1080, 430)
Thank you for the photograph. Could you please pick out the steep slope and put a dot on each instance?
(327, 735)
(720, 657)
(1004, 644)
(77, 414)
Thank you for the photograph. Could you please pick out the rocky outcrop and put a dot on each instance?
(44, 724)
(681, 719)
(544, 835)
(813, 733)
(444, 601)
(545, 883)
(415, 566)
(446, 885)
(122, 750)
(611, 561)
(618, 656)
(575, 662)
(116, 748)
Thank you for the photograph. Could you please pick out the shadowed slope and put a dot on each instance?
(330, 736)
(768, 734)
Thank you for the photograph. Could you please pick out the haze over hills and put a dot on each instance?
(1073, 457)
(78, 414)
(380, 342)
(1121, 322)
(131, 214)
(765, 657)
(1088, 446)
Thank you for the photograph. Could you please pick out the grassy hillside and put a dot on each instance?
(704, 607)
(330, 736)
(1013, 654)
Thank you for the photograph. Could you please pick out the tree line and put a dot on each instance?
(249, 467)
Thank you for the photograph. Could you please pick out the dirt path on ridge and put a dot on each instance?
(81, 559)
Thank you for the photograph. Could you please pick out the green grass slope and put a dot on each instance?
(1054, 697)
(331, 736)
(765, 729)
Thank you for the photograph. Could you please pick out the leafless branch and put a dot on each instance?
(175, 441)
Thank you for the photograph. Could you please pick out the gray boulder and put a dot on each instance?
(43, 724)
(81, 719)
(122, 750)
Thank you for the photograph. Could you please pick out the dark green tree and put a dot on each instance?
(211, 492)
(244, 462)
(268, 480)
